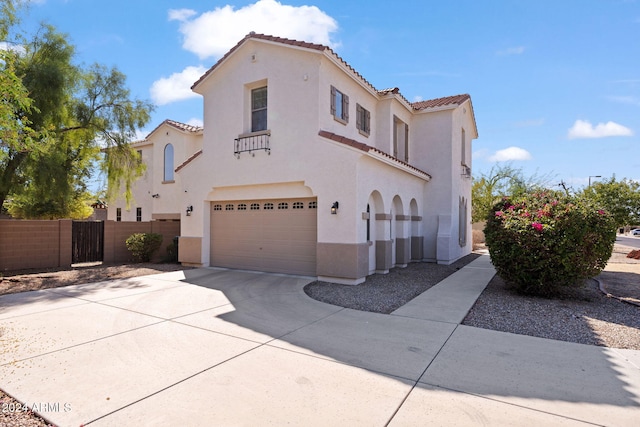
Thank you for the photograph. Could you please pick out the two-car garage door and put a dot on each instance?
(266, 235)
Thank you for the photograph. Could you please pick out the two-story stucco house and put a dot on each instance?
(304, 167)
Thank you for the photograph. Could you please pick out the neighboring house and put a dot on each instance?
(157, 194)
(304, 167)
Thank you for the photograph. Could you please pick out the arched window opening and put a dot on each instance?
(168, 162)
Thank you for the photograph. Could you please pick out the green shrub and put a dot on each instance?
(143, 245)
(544, 243)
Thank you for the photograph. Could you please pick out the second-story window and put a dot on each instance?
(168, 162)
(363, 120)
(463, 148)
(259, 109)
(339, 106)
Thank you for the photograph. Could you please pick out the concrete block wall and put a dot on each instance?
(34, 244)
(116, 234)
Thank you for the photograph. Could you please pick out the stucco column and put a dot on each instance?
(417, 240)
(383, 246)
(403, 241)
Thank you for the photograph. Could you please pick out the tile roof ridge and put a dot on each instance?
(441, 102)
(366, 148)
(189, 160)
(286, 41)
(184, 126)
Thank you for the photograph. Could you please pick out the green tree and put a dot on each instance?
(620, 198)
(503, 180)
(71, 120)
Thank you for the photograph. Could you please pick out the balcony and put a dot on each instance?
(251, 142)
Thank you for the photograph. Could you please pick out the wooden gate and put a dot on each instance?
(87, 241)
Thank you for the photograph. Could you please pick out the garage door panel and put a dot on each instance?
(274, 240)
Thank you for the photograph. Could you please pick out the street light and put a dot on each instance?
(593, 176)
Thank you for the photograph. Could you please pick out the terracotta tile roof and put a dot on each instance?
(189, 160)
(393, 90)
(180, 126)
(290, 42)
(184, 126)
(440, 102)
(366, 148)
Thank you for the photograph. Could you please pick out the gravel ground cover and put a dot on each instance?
(586, 316)
(384, 293)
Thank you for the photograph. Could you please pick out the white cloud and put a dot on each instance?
(196, 122)
(12, 47)
(509, 154)
(213, 33)
(518, 50)
(181, 14)
(176, 87)
(584, 129)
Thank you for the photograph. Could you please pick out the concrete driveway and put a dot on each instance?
(221, 347)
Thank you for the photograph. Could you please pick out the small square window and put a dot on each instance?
(255, 206)
(228, 207)
(217, 207)
(283, 205)
(242, 207)
(268, 206)
(313, 205)
(298, 205)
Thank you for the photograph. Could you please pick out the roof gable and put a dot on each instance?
(285, 42)
(182, 127)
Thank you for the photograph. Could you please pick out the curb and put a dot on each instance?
(602, 288)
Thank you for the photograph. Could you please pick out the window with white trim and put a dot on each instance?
(228, 207)
(139, 214)
(339, 106)
(283, 205)
(259, 109)
(217, 207)
(268, 206)
(298, 205)
(242, 207)
(255, 206)
(463, 148)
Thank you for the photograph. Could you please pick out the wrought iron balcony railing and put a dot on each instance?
(252, 142)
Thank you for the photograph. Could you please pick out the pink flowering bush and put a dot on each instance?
(544, 243)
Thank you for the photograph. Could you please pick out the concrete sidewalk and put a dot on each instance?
(221, 347)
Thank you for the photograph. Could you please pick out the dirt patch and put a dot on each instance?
(32, 280)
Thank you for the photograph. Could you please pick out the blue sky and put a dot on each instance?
(555, 85)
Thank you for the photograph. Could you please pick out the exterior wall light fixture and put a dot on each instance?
(334, 208)
(189, 210)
